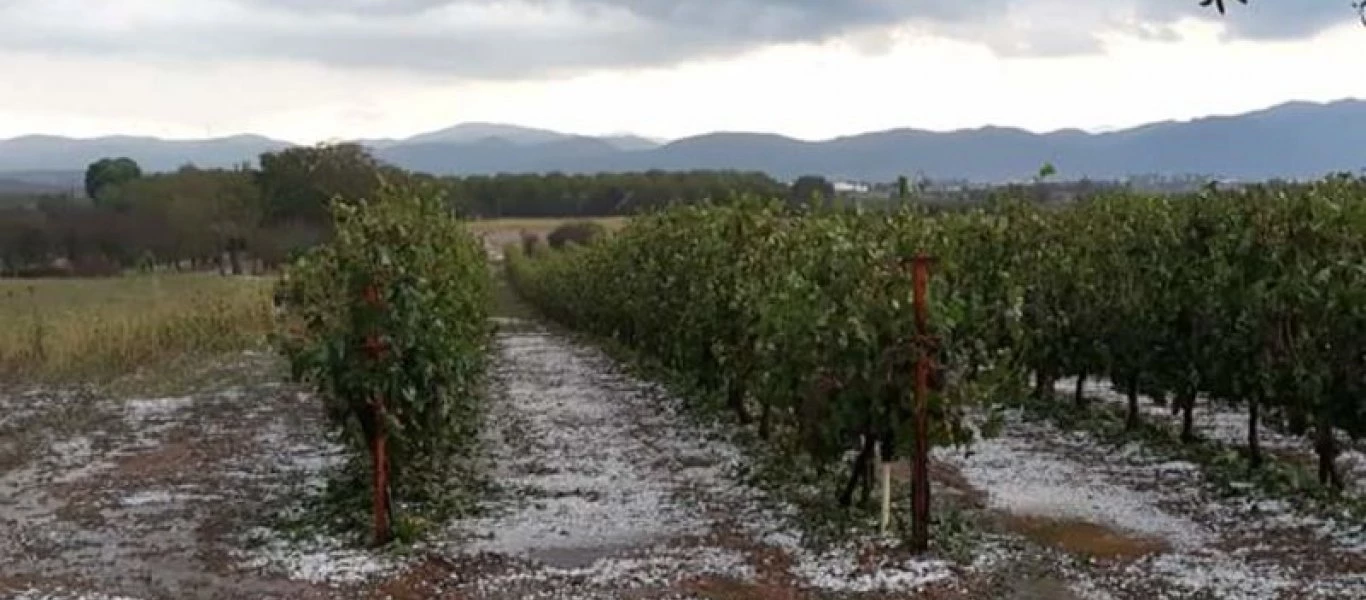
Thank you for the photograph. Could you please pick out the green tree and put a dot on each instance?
(24, 239)
(812, 187)
(200, 213)
(299, 183)
(109, 171)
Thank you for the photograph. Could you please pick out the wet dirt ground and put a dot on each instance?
(607, 489)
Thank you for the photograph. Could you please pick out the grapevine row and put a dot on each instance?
(389, 323)
(800, 324)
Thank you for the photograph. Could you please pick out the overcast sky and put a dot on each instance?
(307, 70)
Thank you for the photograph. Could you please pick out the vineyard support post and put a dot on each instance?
(379, 450)
(920, 484)
(885, 488)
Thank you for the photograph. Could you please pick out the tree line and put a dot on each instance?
(250, 218)
(255, 217)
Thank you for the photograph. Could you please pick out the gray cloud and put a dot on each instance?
(1263, 19)
(527, 38)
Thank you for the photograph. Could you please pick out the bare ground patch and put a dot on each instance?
(144, 497)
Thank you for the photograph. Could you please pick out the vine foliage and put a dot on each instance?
(798, 322)
(389, 323)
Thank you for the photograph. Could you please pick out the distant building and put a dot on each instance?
(845, 187)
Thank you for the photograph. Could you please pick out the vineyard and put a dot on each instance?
(798, 326)
(1254, 298)
(1127, 397)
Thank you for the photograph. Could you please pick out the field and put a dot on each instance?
(679, 411)
(87, 329)
(537, 226)
(497, 233)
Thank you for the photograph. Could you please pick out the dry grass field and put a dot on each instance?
(540, 226)
(94, 328)
(498, 233)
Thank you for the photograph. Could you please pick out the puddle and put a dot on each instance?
(1074, 536)
(574, 558)
(1082, 538)
(1041, 588)
(141, 410)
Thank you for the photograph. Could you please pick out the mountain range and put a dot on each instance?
(1293, 140)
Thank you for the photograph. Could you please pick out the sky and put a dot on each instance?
(315, 70)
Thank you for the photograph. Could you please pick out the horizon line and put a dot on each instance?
(662, 140)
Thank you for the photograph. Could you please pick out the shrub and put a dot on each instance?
(531, 242)
(95, 266)
(579, 232)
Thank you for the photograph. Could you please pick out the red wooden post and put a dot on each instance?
(920, 480)
(379, 450)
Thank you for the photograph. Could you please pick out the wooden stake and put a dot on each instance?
(920, 480)
(380, 452)
(379, 445)
(886, 492)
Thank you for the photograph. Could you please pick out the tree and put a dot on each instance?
(809, 187)
(109, 171)
(299, 183)
(24, 239)
(234, 211)
(578, 232)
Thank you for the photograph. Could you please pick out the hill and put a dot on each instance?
(1295, 139)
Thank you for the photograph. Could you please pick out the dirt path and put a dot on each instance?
(610, 492)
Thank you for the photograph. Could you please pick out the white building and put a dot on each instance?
(850, 186)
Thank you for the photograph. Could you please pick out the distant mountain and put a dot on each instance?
(31, 183)
(14, 186)
(632, 142)
(466, 133)
(495, 155)
(43, 152)
(1296, 139)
